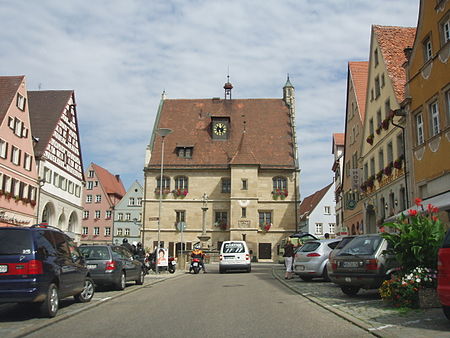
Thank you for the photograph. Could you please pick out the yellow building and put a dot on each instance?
(230, 172)
(427, 106)
(382, 151)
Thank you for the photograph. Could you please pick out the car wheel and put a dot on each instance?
(221, 270)
(446, 310)
(49, 307)
(86, 295)
(350, 290)
(249, 269)
(121, 283)
(140, 280)
(325, 276)
(306, 278)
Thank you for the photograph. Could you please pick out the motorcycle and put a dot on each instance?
(172, 264)
(150, 263)
(195, 265)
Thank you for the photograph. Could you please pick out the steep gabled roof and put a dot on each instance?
(268, 140)
(111, 184)
(392, 42)
(359, 71)
(46, 108)
(339, 139)
(8, 89)
(309, 203)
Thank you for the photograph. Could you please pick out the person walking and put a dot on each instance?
(288, 258)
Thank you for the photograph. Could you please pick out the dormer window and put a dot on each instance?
(185, 151)
(220, 128)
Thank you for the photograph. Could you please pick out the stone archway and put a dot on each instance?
(62, 221)
(48, 214)
(73, 222)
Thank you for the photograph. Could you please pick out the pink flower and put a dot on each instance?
(412, 212)
(418, 201)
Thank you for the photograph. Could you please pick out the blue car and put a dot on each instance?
(41, 265)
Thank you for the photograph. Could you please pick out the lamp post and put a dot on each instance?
(204, 238)
(163, 132)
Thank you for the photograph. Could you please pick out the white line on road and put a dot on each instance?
(380, 327)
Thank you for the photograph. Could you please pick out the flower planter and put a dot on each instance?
(428, 298)
(385, 124)
(369, 139)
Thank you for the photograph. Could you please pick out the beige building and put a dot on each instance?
(228, 164)
(382, 151)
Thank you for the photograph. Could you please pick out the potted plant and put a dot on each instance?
(388, 169)
(378, 130)
(370, 181)
(369, 139)
(363, 186)
(380, 175)
(266, 226)
(385, 123)
(398, 163)
(33, 202)
(180, 192)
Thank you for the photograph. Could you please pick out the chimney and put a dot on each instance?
(408, 52)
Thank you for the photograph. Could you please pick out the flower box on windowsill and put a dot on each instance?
(282, 193)
(164, 192)
(369, 139)
(33, 202)
(266, 227)
(180, 192)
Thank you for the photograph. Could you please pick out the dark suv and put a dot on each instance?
(41, 265)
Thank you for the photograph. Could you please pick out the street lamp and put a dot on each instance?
(163, 132)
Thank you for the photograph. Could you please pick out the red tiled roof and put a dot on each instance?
(267, 141)
(359, 71)
(46, 108)
(339, 139)
(8, 89)
(392, 42)
(111, 184)
(310, 202)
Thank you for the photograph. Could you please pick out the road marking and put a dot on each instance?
(380, 327)
(361, 302)
(101, 299)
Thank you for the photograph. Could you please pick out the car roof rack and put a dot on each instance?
(45, 225)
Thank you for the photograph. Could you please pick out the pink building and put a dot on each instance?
(102, 192)
(18, 175)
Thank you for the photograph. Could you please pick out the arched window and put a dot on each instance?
(165, 182)
(181, 182)
(279, 183)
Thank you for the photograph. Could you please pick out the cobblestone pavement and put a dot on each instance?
(368, 311)
(17, 320)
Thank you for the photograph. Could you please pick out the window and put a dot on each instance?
(419, 129)
(327, 210)
(128, 216)
(97, 214)
(221, 218)
(18, 127)
(399, 145)
(85, 214)
(319, 228)
(131, 201)
(107, 231)
(372, 166)
(90, 185)
(332, 227)
(127, 232)
(185, 152)
(379, 119)
(180, 216)
(91, 173)
(387, 108)
(427, 49)
(98, 198)
(181, 182)
(381, 159)
(371, 127)
(377, 87)
(20, 102)
(244, 184)
(139, 201)
(62, 183)
(366, 171)
(243, 212)
(445, 28)
(108, 214)
(383, 82)
(3, 148)
(226, 185)
(265, 218)
(119, 231)
(120, 216)
(434, 115)
(96, 231)
(15, 155)
(375, 57)
(11, 122)
(165, 182)
(85, 230)
(89, 199)
(390, 153)
(279, 183)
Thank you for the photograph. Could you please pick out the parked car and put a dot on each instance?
(234, 255)
(112, 265)
(311, 259)
(336, 250)
(362, 263)
(41, 265)
(297, 239)
(444, 275)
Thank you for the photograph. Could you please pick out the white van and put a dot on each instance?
(234, 255)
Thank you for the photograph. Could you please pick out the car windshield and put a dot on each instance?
(344, 242)
(95, 252)
(233, 248)
(15, 242)
(309, 247)
(361, 246)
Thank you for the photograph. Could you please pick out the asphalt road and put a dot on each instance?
(207, 305)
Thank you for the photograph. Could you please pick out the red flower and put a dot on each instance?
(412, 212)
(418, 202)
(382, 229)
(435, 210)
(434, 218)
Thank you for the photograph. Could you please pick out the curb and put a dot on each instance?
(355, 321)
(65, 316)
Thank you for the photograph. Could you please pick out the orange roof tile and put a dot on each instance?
(339, 139)
(359, 71)
(8, 89)
(112, 184)
(392, 42)
(310, 202)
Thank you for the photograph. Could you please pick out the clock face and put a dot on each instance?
(220, 128)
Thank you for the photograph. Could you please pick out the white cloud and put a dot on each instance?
(120, 55)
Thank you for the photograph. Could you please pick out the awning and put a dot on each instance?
(441, 201)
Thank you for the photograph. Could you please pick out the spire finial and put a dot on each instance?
(228, 86)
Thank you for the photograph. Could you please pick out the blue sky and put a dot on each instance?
(119, 56)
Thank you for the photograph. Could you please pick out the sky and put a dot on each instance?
(119, 56)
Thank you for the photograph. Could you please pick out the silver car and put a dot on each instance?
(311, 259)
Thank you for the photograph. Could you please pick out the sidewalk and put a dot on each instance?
(368, 311)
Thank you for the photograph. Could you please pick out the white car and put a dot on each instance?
(234, 255)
